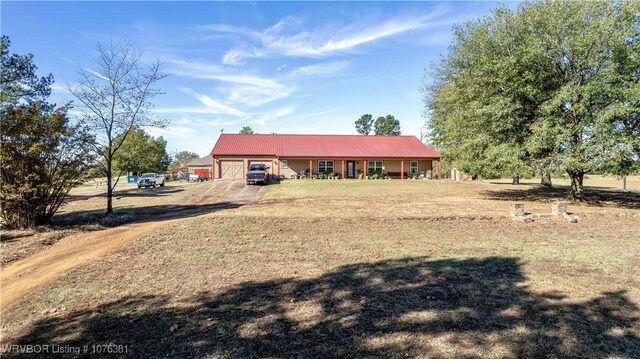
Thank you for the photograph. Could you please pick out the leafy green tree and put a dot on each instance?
(479, 99)
(18, 79)
(42, 156)
(246, 130)
(527, 89)
(619, 123)
(183, 158)
(364, 125)
(387, 126)
(115, 98)
(141, 153)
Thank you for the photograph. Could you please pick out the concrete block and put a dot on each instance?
(526, 218)
(559, 208)
(543, 215)
(517, 209)
(571, 218)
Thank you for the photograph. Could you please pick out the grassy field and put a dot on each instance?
(353, 269)
(436, 198)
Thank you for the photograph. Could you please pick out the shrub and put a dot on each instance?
(42, 158)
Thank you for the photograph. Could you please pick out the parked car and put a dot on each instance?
(258, 173)
(151, 180)
(196, 178)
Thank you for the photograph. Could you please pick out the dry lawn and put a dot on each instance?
(361, 269)
(83, 212)
(436, 199)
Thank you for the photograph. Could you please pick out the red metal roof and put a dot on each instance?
(350, 146)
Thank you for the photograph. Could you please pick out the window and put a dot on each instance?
(413, 167)
(374, 166)
(284, 163)
(325, 166)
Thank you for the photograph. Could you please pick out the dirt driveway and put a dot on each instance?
(24, 276)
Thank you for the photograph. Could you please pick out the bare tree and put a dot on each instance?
(115, 97)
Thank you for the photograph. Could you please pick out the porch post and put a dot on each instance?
(278, 167)
(402, 169)
(364, 170)
(343, 175)
(310, 169)
(439, 169)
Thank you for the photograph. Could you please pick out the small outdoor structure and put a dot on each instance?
(457, 175)
(341, 156)
(558, 209)
(517, 209)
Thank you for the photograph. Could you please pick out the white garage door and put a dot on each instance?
(231, 169)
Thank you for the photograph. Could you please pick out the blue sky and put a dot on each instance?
(284, 67)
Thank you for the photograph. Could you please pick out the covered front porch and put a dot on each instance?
(359, 168)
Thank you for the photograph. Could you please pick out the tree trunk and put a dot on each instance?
(109, 189)
(545, 181)
(577, 187)
(624, 183)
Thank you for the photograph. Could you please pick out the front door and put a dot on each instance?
(351, 169)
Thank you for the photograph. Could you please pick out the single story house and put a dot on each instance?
(345, 155)
(202, 167)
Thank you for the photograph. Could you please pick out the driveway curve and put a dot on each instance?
(26, 275)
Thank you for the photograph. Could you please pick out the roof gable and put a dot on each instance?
(322, 146)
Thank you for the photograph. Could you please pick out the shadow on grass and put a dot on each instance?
(139, 214)
(130, 192)
(236, 193)
(593, 196)
(409, 307)
(12, 235)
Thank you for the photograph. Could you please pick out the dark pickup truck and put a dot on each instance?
(258, 173)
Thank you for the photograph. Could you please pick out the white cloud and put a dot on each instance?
(170, 131)
(242, 88)
(78, 113)
(213, 72)
(316, 114)
(282, 38)
(321, 69)
(234, 57)
(96, 74)
(185, 109)
(256, 96)
(58, 88)
(68, 60)
(223, 123)
(199, 122)
(212, 104)
(265, 117)
(229, 29)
